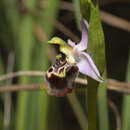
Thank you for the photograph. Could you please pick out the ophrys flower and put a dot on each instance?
(75, 54)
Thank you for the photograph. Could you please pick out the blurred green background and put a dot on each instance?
(25, 28)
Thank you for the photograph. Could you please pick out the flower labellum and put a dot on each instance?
(60, 77)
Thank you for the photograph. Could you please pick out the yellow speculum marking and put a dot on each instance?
(63, 74)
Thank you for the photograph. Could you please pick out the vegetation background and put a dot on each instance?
(25, 28)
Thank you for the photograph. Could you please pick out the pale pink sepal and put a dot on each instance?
(86, 66)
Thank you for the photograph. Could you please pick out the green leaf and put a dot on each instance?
(96, 43)
(96, 49)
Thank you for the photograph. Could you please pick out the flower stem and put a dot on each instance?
(91, 103)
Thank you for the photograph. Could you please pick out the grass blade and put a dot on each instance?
(77, 11)
(24, 50)
(44, 104)
(126, 102)
(80, 115)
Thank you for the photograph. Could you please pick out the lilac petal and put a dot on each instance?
(84, 40)
(87, 67)
(72, 44)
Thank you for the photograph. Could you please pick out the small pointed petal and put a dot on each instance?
(84, 40)
(72, 44)
(87, 67)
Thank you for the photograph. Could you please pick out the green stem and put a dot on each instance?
(91, 103)
(92, 93)
(102, 105)
(126, 102)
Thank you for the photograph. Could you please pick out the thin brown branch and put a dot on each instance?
(25, 87)
(33, 73)
(13, 88)
(116, 113)
(42, 35)
(63, 5)
(115, 21)
(105, 17)
(118, 86)
(66, 6)
(62, 28)
(107, 2)
(81, 81)
(21, 73)
(111, 83)
(65, 30)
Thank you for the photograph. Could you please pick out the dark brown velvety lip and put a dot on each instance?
(57, 82)
(61, 86)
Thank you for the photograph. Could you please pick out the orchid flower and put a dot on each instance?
(76, 55)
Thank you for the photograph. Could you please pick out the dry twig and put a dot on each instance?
(61, 27)
(111, 83)
(118, 86)
(115, 21)
(116, 113)
(25, 87)
(7, 99)
(105, 17)
(21, 73)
